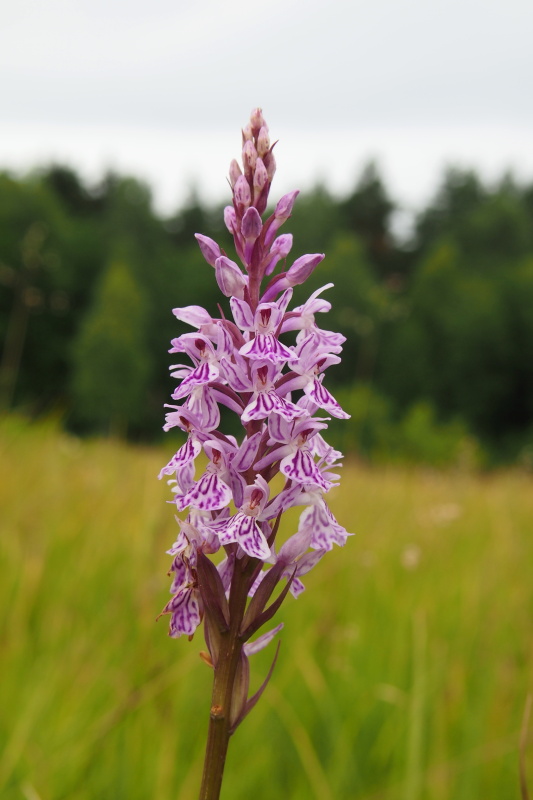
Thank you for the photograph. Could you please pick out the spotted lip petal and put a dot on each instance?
(200, 376)
(202, 404)
(265, 403)
(266, 347)
(247, 452)
(322, 526)
(209, 494)
(187, 453)
(242, 314)
(185, 610)
(251, 538)
(243, 529)
(301, 468)
(243, 365)
(324, 399)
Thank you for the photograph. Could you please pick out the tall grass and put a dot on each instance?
(403, 671)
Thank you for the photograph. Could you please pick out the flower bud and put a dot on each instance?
(284, 206)
(270, 164)
(303, 267)
(282, 245)
(230, 220)
(242, 194)
(247, 134)
(260, 177)
(260, 186)
(249, 157)
(257, 121)
(295, 546)
(229, 278)
(234, 172)
(263, 142)
(193, 315)
(251, 224)
(280, 249)
(210, 249)
(281, 214)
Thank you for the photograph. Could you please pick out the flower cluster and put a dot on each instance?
(266, 364)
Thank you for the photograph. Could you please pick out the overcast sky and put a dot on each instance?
(161, 89)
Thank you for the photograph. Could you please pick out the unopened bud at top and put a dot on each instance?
(257, 121)
(260, 177)
(263, 142)
(249, 158)
(242, 194)
(270, 164)
(230, 219)
(261, 186)
(234, 172)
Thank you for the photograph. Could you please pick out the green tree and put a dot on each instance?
(111, 361)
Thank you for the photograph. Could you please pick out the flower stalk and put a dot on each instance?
(244, 360)
(225, 672)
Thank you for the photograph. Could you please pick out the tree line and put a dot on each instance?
(439, 322)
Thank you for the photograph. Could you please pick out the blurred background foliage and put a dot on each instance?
(438, 319)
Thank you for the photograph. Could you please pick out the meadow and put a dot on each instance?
(403, 671)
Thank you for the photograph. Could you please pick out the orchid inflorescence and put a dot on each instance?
(241, 363)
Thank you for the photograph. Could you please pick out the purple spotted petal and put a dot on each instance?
(242, 314)
(265, 403)
(250, 537)
(280, 429)
(225, 342)
(185, 454)
(226, 531)
(185, 477)
(201, 375)
(266, 347)
(209, 494)
(247, 452)
(235, 376)
(326, 341)
(301, 468)
(297, 587)
(244, 529)
(202, 404)
(283, 302)
(181, 574)
(185, 610)
(324, 529)
(320, 395)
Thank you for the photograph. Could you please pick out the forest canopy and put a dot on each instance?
(439, 323)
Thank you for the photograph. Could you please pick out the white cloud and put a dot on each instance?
(161, 88)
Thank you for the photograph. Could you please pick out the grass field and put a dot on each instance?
(403, 671)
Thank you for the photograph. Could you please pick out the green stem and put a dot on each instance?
(223, 684)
